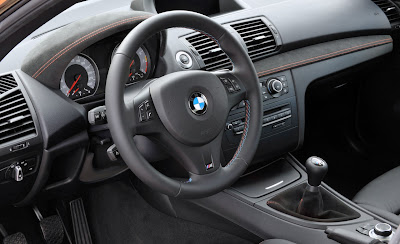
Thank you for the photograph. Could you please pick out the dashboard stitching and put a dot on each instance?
(245, 130)
(84, 38)
(325, 56)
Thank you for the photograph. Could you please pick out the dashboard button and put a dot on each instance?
(285, 90)
(282, 78)
(238, 129)
(184, 59)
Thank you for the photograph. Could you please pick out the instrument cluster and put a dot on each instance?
(85, 76)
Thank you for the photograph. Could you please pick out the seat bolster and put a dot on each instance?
(382, 193)
(383, 213)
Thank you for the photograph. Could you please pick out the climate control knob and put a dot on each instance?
(274, 86)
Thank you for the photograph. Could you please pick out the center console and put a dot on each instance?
(285, 199)
(280, 120)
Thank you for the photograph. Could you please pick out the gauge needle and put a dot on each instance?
(75, 91)
(73, 85)
(130, 67)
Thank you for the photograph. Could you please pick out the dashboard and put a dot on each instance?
(63, 66)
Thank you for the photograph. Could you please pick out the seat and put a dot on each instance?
(277, 241)
(382, 196)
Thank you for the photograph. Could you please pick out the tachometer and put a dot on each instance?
(80, 78)
(139, 68)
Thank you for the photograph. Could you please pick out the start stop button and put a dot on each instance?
(184, 60)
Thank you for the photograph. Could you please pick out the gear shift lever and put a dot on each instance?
(311, 203)
(316, 170)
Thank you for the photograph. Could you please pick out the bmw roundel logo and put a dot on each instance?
(198, 103)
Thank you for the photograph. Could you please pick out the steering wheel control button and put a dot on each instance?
(235, 85)
(149, 115)
(147, 105)
(184, 60)
(198, 103)
(230, 84)
(145, 112)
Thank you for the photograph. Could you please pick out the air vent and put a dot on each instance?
(390, 9)
(7, 82)
(258, 38)
(213, 56)
(15, 118)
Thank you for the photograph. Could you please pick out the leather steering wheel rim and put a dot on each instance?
(122, 113)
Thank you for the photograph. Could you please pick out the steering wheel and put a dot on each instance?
(185, 111)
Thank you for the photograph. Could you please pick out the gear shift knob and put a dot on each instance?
(316, 170)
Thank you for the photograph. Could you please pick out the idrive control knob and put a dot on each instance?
(382, 232)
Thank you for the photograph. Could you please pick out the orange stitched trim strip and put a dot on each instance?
(84, 38)
(325, 56)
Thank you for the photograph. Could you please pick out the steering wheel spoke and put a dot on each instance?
(197, 160)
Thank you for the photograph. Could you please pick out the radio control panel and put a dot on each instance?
(279, 121)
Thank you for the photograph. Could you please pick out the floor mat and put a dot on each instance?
(118, 214)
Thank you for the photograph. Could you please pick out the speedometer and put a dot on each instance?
(139, 68)
(80, 78)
